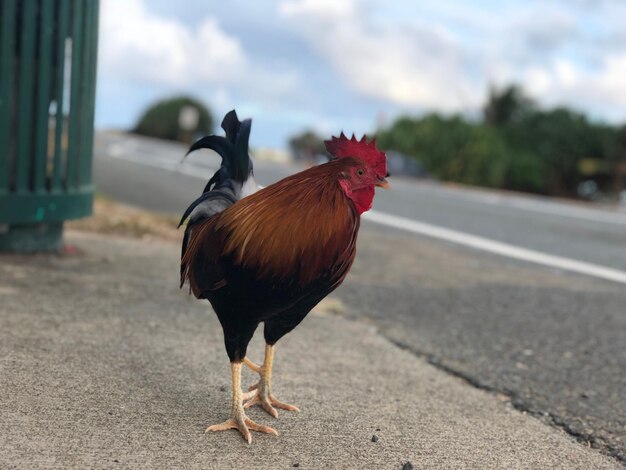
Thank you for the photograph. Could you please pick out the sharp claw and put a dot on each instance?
(267, 406)
(228, 424)
(270, 409)
(260, 427)
(285, 406)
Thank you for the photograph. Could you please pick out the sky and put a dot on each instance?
(356, 65)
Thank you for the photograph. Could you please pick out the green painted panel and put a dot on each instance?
(73, 149)
(25, 105)
(7, 48)
(36, 208)
(43, 96)
(91, 59)
(59, 147)
(93, 66)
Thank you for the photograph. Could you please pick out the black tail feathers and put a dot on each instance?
(226, 186)
(231, 125)
(233, 148)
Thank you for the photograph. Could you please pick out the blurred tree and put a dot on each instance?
(307, 145)
(559, 139)
(516, 147)
(506, 105)
(525, 171)
(619, 158)
(175, 119)
(451, 148)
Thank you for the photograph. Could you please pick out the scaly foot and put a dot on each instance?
(243, 424)
(260, 396)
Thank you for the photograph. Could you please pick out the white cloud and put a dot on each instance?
(448, 62)
(326, 9)
(601, 91)
(140, 46)
(413, 65)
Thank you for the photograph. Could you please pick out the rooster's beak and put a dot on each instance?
(383, 183)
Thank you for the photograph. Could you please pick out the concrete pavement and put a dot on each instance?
(104, 363)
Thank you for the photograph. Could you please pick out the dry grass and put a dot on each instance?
(112, 218)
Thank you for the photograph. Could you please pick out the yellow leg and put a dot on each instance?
(261, 392)
(255, 367)
(238, 419)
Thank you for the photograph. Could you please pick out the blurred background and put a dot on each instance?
(520, 95)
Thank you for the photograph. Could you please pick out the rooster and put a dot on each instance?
(270, 255)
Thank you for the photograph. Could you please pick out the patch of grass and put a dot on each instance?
(112, 218)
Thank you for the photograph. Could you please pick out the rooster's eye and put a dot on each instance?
(360, 172)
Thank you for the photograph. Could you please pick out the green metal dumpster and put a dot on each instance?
(47, 92)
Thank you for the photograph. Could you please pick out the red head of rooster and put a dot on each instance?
(369, 169)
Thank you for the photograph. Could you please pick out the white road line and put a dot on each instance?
(592, 215)
(596, 214)
(499, 248)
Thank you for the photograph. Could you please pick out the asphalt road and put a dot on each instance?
(551, 339)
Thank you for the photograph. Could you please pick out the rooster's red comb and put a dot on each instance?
(342, 147)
